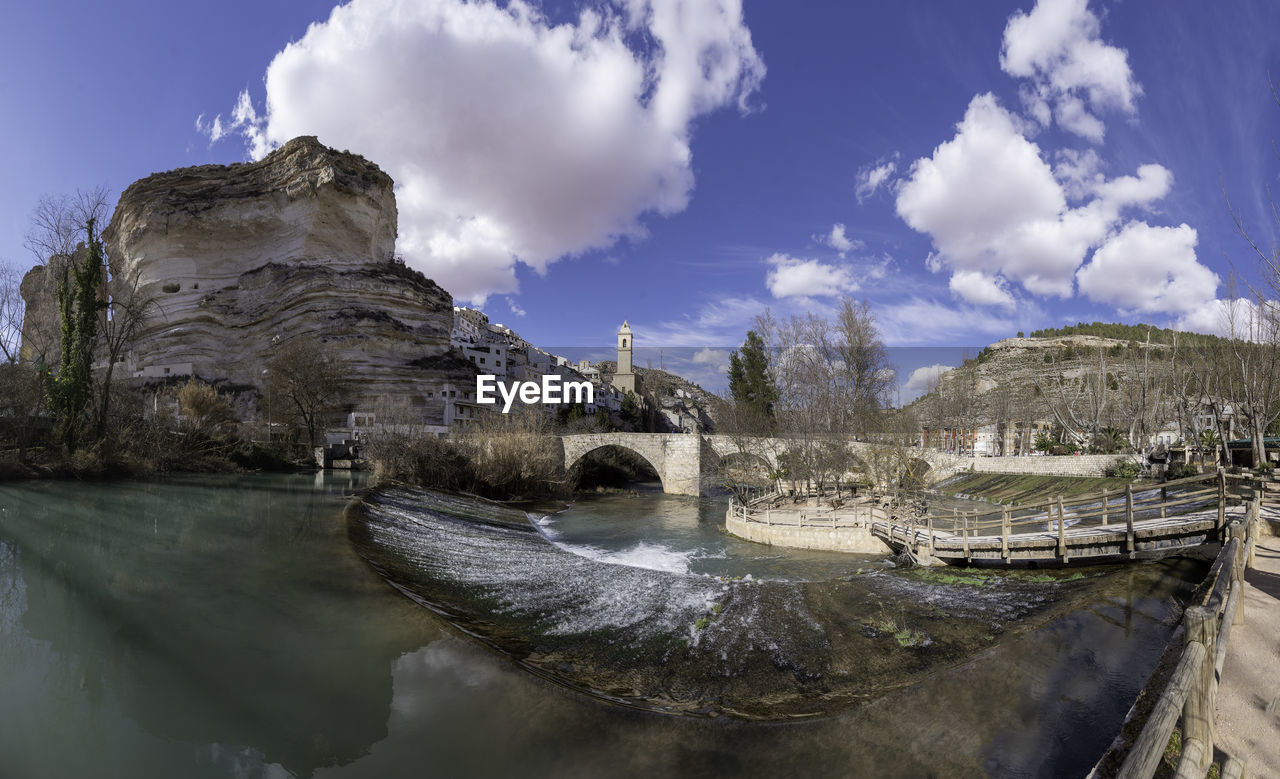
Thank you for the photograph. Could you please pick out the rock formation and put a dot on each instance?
(240, 259)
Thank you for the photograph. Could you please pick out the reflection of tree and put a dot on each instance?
(213, 615)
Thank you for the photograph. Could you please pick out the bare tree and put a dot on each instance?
(11, 311)
(1253, 362)
(307, 380)
(834, 382)
(1254, 349)
(1077, 396)
(126, 310)
(57, 224)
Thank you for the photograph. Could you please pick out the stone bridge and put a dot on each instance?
(687, 463)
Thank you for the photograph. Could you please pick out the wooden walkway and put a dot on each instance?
(1108, 525)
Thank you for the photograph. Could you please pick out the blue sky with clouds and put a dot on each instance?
(971, 169)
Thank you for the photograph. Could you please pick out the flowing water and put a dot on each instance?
(679, 534)
(226, 626)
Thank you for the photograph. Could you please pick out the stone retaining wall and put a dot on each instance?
(1065, 465)
(845, 539)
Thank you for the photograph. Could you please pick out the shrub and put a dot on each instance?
(1127, 469)
(1180, 471)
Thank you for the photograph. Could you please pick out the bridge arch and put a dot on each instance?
(677, 459)
(582, 457)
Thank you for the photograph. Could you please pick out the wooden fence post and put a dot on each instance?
(1237, 571)
(1253, 518)
(1164, 498)
(1004, 534)
(1197, 712)
(1062, 538)
(1222, 500)
(964, 519)
(1128, 520)
(1105, 503)
(930, 535)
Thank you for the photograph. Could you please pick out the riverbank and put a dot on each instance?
(92, 464)
(1014, 489)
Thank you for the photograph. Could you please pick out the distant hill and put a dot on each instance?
(1021, 379)
(1119, 332)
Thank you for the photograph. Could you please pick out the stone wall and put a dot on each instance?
(857, 540)
(1066, 465)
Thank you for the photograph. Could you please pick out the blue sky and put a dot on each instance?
(971, 169)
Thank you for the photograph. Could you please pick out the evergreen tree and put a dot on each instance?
(80, 299)
(750, 380)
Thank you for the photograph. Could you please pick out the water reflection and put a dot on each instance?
(223, 627)
(202, 614)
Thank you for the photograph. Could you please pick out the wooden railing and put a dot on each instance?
(1107, 507)
(1191, 692)
(1104, 509)
(758, 509)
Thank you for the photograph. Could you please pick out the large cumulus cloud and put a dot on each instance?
(512, 139)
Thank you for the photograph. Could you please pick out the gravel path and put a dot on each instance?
(1248, 704)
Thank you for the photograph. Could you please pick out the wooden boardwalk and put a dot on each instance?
(1104, 526)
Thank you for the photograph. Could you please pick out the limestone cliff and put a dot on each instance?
(242, 258)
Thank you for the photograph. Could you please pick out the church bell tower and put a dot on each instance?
(624, 378)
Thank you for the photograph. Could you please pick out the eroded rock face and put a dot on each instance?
(240, 259)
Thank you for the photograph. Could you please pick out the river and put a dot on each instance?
(227, 626)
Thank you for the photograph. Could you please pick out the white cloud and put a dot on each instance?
(215, 130)
(721, 322)
(1079, 172)
(978, 189)
(716, 358)
(872, 178)
(977, 287)
(838, 240)
(995, 208)
(922, 321)
(797, 277)
(1149, 269)
(1215, 317)
(511, 140)
(515, 308)
(1056, 46)
(923, 379)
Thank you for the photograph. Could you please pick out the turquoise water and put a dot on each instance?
(223, 626)
(681, 534)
